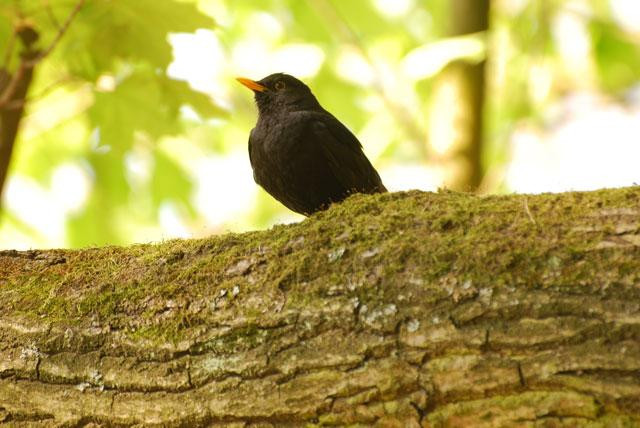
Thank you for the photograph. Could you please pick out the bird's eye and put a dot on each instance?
(279, 85)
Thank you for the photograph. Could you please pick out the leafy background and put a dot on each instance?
(136, 131)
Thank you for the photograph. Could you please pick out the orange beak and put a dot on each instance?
(251, 84)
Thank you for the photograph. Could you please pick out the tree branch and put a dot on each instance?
(20, 103)
(9, 51)
(61, 31)
(52, 16)
(399, 309)
(14, 88)
(27, 64)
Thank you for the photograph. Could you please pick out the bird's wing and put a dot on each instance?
(344, 155)
(249, 145)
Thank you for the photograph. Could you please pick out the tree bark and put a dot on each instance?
(404, 309)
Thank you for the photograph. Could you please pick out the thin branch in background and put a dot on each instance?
(51, 15)
(25, 64)
(10, 89)
(10, 119)
(51, 87)
(14, 93)
(16, 104)
(61, 32)
(9, 51)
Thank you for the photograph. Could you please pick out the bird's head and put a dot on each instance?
(281, 92)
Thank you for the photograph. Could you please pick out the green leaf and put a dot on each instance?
(618, 59)
(107, 32)
(135, 104)
(97, 223)
(138, 29)
(169, 182)
(180, 93)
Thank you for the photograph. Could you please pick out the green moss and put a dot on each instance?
(385, 244)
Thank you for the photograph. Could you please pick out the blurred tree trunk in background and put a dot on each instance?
(13, 92)
(463, 81)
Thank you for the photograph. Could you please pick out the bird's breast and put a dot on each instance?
(280, 158)
(278, 141)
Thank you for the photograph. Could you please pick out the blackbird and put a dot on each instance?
(300, 153)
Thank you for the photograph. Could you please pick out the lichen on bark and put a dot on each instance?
(401, 309)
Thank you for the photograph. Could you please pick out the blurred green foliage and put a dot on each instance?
(104, 99)
(126, 42)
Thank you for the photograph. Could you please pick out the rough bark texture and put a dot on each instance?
(405, 309)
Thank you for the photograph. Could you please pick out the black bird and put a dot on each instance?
(300, 153)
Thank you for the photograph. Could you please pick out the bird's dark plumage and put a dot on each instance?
(300, 153)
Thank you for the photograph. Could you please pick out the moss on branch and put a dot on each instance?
(405, 308)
